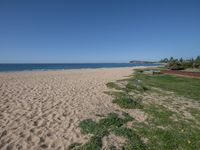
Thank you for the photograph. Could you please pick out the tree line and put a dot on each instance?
(181, 64)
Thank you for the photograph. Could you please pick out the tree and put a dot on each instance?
(197, 62)
(171, 59)
(175, 65)
(165, 60)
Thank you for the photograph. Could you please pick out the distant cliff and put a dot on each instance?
(142, 62)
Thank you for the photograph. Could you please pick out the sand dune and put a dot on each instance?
(42, 109)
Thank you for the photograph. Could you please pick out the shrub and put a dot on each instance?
(175, 65)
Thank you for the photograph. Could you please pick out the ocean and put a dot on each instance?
(57, 66)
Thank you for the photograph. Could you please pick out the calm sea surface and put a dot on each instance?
(23, 67)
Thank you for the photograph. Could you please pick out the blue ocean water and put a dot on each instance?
(24, 67)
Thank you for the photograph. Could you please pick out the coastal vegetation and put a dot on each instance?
(112, 123)
(170, 103)
(187, 87)
(181, 64)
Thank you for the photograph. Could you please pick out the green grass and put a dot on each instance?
(136, 85)
(127, 102)
(134, 141)
(161, 116)
(165, 133)
(113, 85)
(196, 113)
(112, 123)
(122, 98)
(163, 129)
(117, 94)
(183, 86)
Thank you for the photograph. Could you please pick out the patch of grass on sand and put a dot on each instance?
(196, 113)
(74, 145)
(122, 98)
(165, 133)
(134, 142)
(136, 85)
(183, 86)
(116, 94)
(127, 102)
(161, 116)
(112, 123)
(165, 129)
(113, 85)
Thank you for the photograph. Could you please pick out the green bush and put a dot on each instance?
(175, 65)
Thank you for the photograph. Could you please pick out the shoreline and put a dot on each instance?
(52, 66)
(75, 69)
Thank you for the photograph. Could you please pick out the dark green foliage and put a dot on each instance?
(181, 64)
(95, 143)
(165, 60)
(87, 126)
(126, 102)
(197, 62)
(175, 65)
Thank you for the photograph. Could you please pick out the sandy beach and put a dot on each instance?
(42, 109)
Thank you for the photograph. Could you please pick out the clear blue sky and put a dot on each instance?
(43, 31)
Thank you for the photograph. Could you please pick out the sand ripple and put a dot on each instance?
(42, 109)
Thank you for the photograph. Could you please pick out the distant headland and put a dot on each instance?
(142, 62)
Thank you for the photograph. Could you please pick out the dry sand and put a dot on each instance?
(42, 109)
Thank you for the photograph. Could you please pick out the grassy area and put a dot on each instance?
(127, 102)
(183, 86)
(165, 133)
(164, 128)
(110, 124)
(113, 85)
